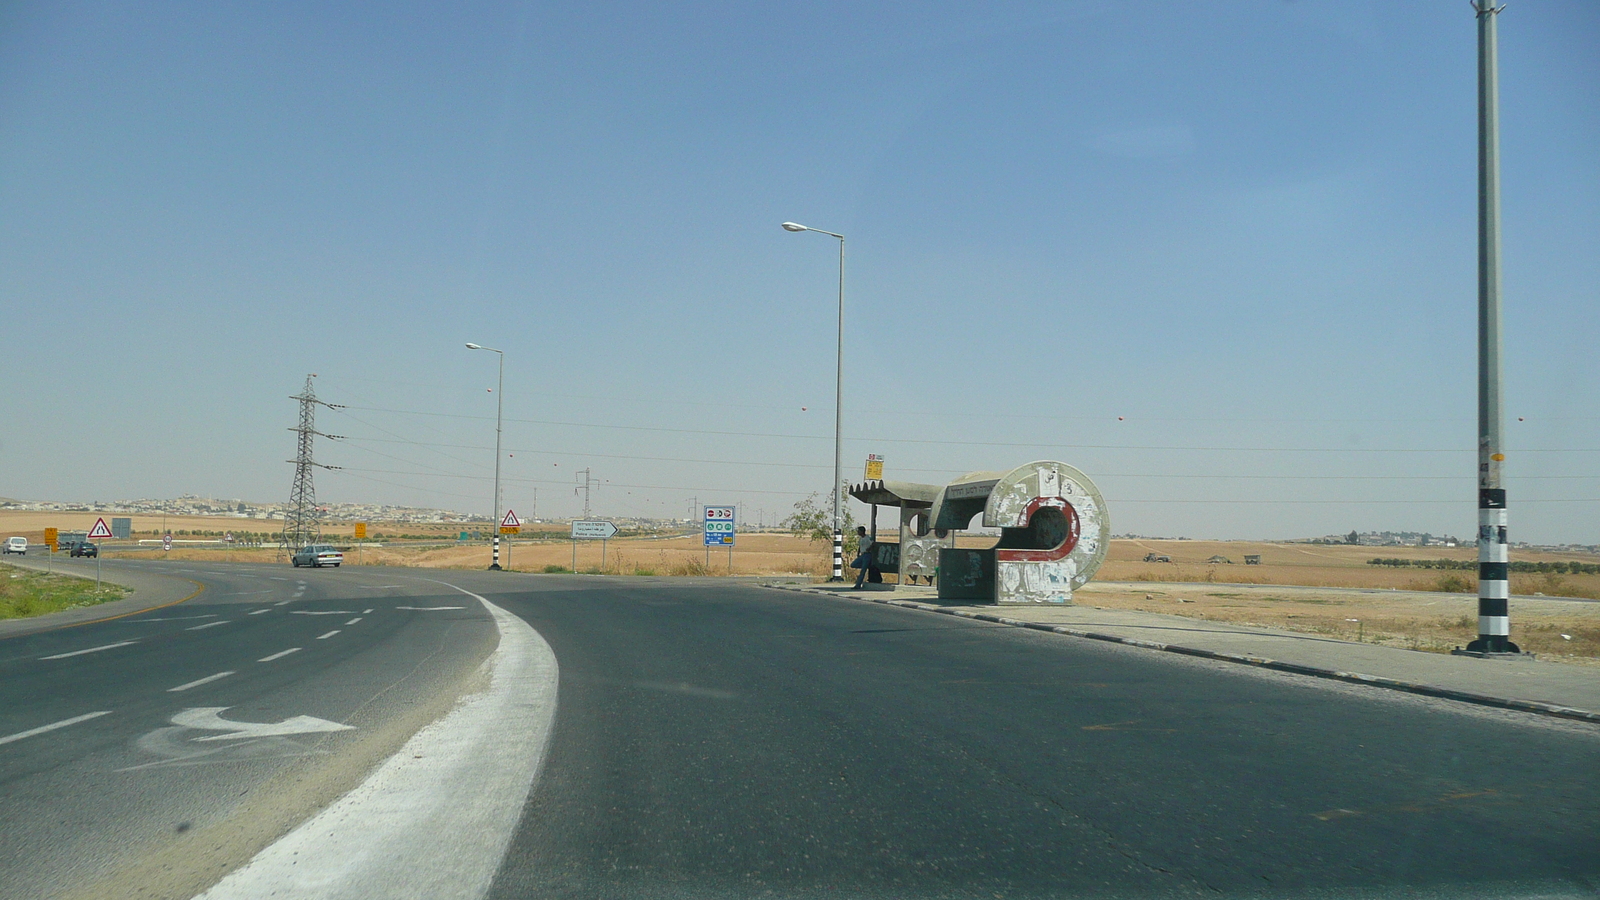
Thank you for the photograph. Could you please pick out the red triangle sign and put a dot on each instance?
(511, 520)
(99, 530)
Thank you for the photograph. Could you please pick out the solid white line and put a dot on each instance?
(323, 637)
(208, 625)
(279, 655)
(90, 650)
(206, 680)
(52, 726)
(259, 612)
(353, 621)
(433, 821)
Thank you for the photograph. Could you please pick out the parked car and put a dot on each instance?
(17, 545)
(86, 549)
(316, 556)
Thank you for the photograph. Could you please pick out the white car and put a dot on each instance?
(316, 556)
(17, 545)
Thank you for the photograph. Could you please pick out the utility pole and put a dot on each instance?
(587, 483)
(302, 525)
(1494, 620)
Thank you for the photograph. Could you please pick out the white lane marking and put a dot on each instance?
(52, 726)
(276, 578)
(208, 625)
(258, 612)
(210, 719)
(172, 619)
(90, 650)
(323, 637)
(199, 681)
(436, 818)
(320, 612)
(366, 612)
(280, 603)
(429, 608)
(377, 586)
(245, 593)
(353, 621)
(279, 655)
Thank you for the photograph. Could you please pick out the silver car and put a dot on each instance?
(316, 556)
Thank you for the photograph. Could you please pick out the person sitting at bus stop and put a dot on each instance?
(863, 560)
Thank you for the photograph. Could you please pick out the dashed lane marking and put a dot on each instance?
(353, 621)
(53, 726)
(280, 602)
(323, 637)
(320, 612)
(199, 681)
(429, 608)
(90, 650)
(279, 655)
(258, 612)
(366, 612)
(208, 625)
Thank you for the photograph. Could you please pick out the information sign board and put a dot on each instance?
(592, 530)
(720, 523)
(874, 467)
(52, 537)
(361, 531)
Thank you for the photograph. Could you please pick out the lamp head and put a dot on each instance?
(794, 226)
(474, 347)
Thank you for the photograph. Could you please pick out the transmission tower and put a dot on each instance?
(302, 525)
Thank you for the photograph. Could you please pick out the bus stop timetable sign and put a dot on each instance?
(719, 526)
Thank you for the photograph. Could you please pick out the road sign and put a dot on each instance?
(720, 526)
(510, 524)
(51, 536)
(361, 531)
(592, 529)
(166, 541)
(874, 467)
(100, 529)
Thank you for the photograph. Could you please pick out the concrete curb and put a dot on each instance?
(1393, 684)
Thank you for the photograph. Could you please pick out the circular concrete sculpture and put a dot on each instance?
(1054, 532)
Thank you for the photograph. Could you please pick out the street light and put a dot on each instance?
(499, 406)
(838, 412)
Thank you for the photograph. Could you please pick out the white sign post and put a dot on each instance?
(591, 530)
(98, 531)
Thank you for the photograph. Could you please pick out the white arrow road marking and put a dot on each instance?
(429, 608)
(52, 726)
(279, 655)
(199, 681)
(207, 625)
(209, 718)
(90, 650)
(434, 820)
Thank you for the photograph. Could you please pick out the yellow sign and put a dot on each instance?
(50, 537)
(361, 531)
(510, 529)
(874, 467)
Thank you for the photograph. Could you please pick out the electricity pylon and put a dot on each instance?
(302, 525)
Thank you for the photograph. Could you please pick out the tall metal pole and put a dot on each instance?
(499, 408)
(838, 414)
(1494, 621)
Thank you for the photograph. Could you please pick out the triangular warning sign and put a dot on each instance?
(99, 530)
(511, 520)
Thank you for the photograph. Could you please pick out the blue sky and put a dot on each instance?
(1221, 258)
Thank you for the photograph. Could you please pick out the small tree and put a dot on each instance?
(814, 522)
(1352, 538)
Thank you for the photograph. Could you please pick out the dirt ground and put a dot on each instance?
(1423, 609)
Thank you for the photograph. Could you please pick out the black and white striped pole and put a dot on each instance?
(1494, 620)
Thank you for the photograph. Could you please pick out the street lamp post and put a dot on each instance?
(838, 413)
(499, 407)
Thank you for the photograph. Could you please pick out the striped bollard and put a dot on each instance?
(496, 566)
(1494, 590)
(838, 554)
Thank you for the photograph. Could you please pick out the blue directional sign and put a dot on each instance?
(719, 526)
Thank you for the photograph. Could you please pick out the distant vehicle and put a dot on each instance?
(84, 548)
(1156, 557)
(17, 545)
(316, 556)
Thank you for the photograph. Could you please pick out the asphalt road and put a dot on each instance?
(124, 795)
(726, 741)
(722, 740)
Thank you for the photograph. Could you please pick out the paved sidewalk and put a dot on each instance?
(148, 591)
(1569, 691)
